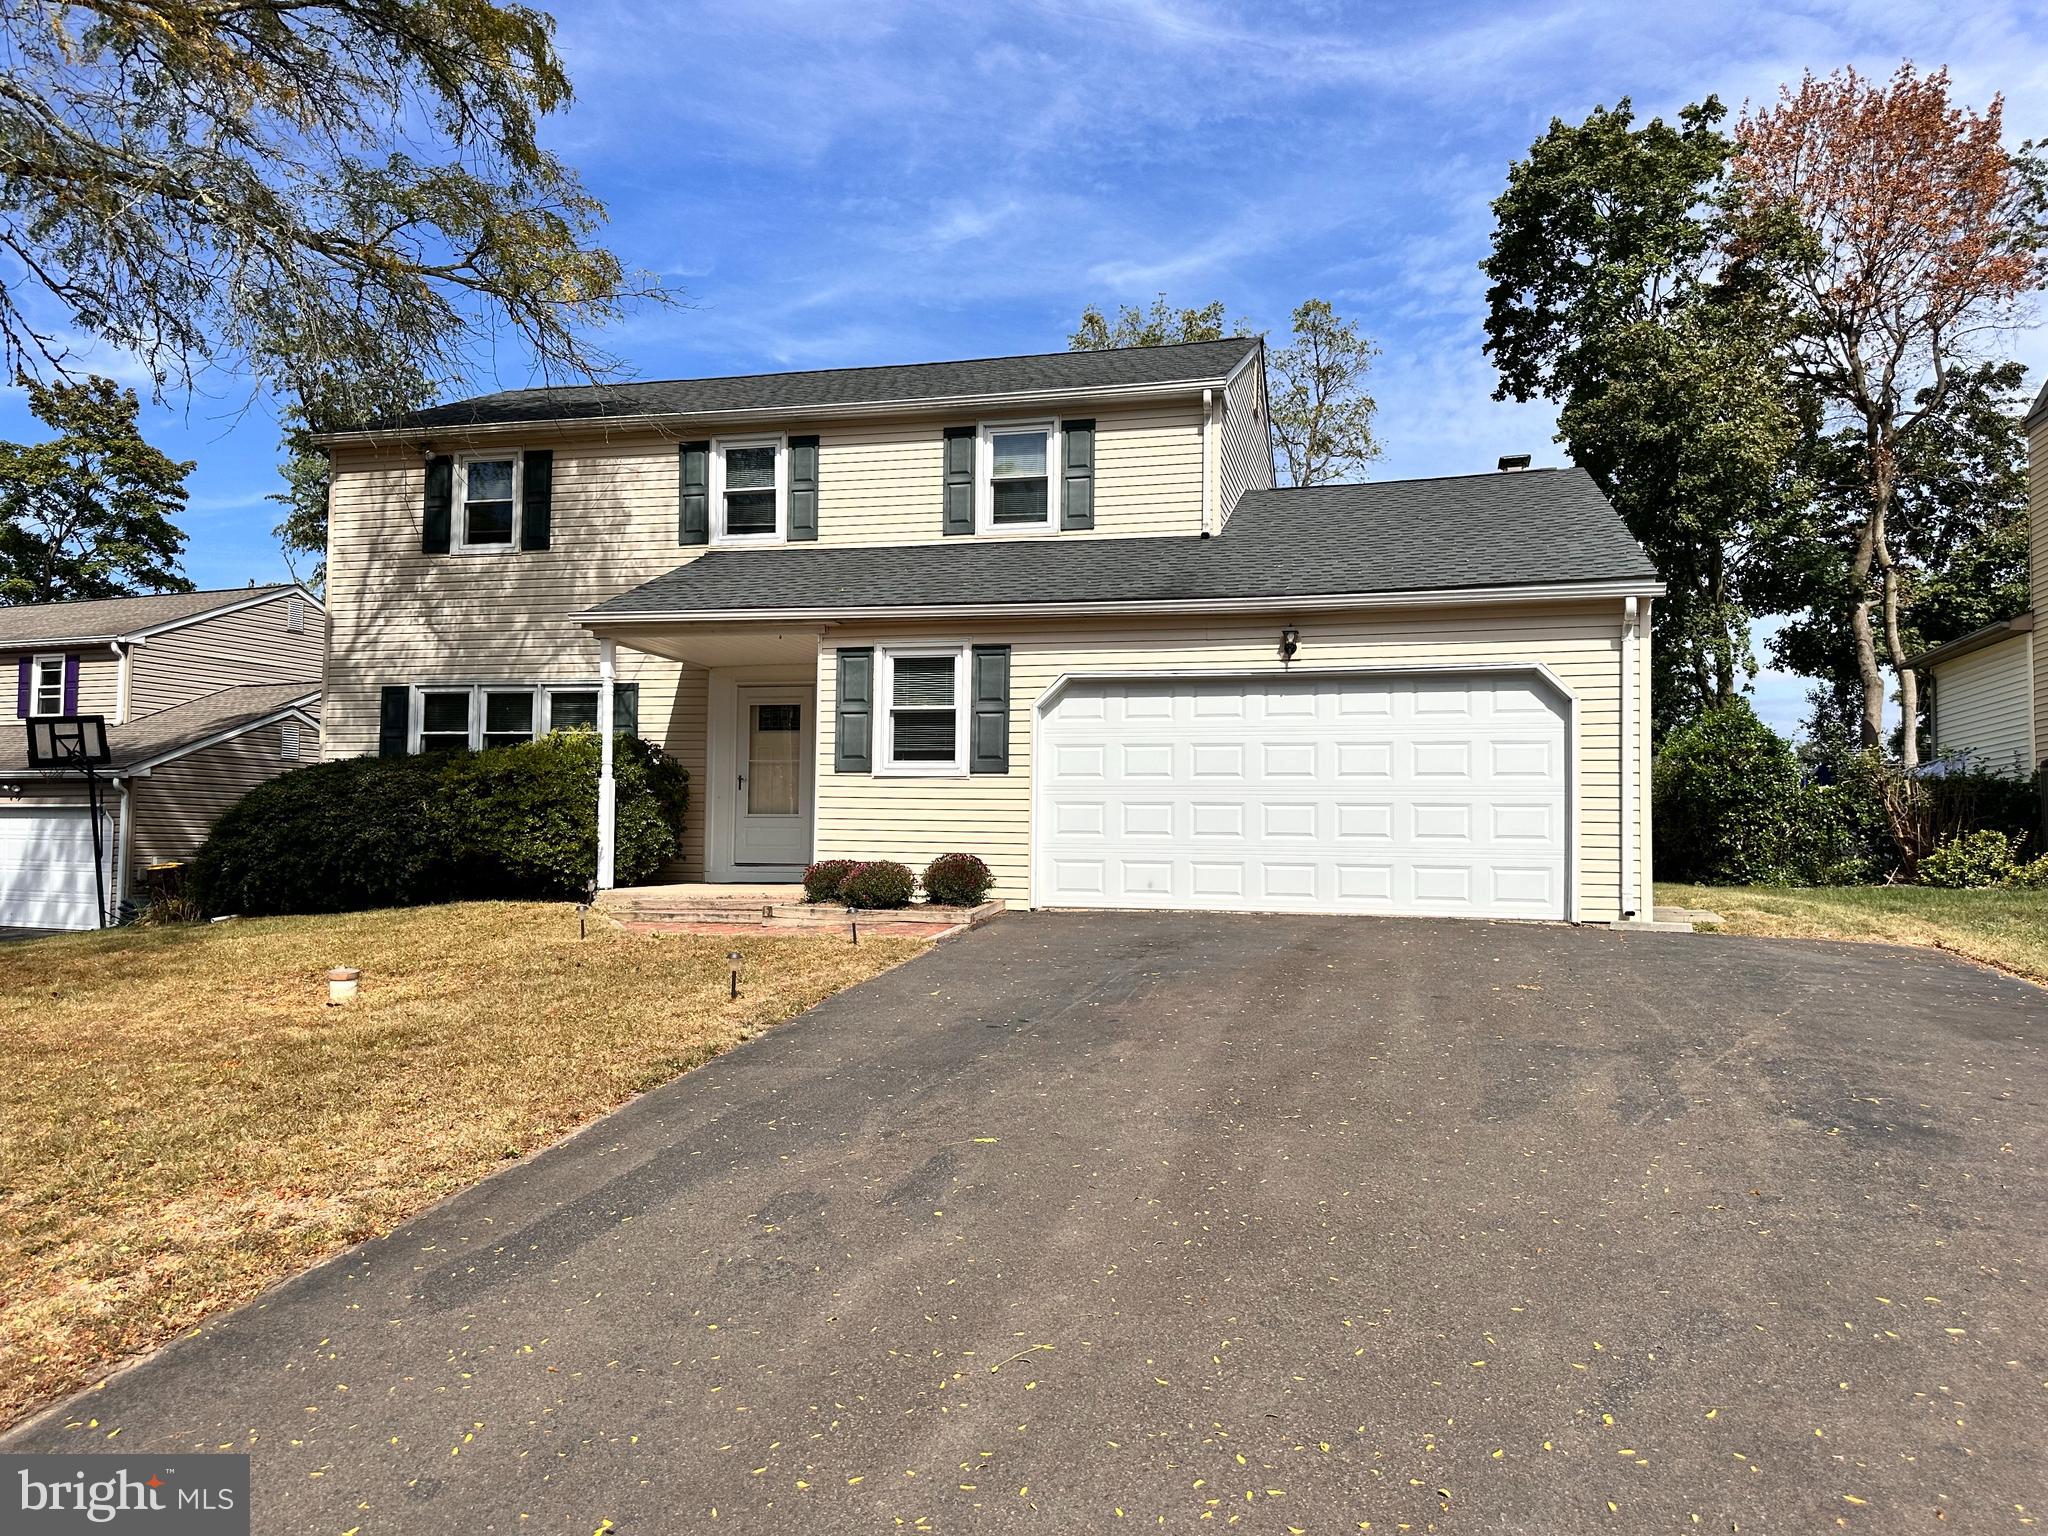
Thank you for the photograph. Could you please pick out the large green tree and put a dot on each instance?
(1957, 531)
(1320, 410)
(88, 512)
(1611, 296)
(323, 195)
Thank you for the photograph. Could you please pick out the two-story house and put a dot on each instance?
(205, 695)
(1050, 610)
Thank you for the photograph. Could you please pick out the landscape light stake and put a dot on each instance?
(854, 922)
(732, 958)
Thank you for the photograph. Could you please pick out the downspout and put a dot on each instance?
(1630, 895)
(1208, 431)
(121, 838)
(123, 656)
(607, 787)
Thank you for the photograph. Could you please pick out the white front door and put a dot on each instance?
(1438, 793)
(772, 736)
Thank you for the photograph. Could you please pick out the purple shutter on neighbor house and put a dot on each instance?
(70, 685)
(21, 691)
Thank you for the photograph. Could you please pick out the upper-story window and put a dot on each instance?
(1015, 493)
(749, 485)
(46, 686)
(486, 503)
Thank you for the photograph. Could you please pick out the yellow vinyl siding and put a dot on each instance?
(1981, 703)
(2037, 533)
(916, 819)
(398, 616)
(225, 650)
(176, 805)
(1246, 449)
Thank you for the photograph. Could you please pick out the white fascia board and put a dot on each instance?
(247, 600)
(1320, 603)
(681, 421)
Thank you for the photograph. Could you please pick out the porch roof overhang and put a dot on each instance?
(739, 643)
(1539, 536)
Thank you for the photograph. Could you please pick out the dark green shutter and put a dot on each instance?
(394, 712)
(1077, 481)
(436, 516)
(803, 489)
(537, 499)
(988, 749)
(626, 708)
(959, 480)
(853, 734)
(693, 514)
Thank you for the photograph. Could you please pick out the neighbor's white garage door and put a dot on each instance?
(1424, 793)
(46, 868)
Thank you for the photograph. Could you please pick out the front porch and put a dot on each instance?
(703, 907)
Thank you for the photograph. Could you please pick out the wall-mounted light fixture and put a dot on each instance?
(1290, 642)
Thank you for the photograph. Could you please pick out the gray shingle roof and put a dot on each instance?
(2038, 409)
(180, 725)
(1477, 531)
(904, 383)
(111, 617)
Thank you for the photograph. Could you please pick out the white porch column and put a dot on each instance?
(1631, 890)
(607, 787)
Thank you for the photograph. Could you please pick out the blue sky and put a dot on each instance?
(839, 183)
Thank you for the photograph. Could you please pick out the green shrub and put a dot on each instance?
(823, 879)
(1725, 800)
(1973, 861)
(2030, 876)
(877, 885)
(507, 822)
(957, 880)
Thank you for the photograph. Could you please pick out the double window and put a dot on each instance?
(749, 490)
(46, 686)
(924, 698)
(1016, 491)
(470, 717)
(486, 503)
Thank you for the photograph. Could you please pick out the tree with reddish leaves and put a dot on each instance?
(1907, 234)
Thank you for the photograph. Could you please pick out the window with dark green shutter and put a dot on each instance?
(537, 499)
(803, 490)
(693, 474)
(437, 511)
(853, 728)
(1077, 475)
(959, 480)
(988, 748)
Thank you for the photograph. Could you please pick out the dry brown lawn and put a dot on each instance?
(2006, 929)
(183, 1122)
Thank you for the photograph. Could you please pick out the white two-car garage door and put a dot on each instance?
(46, 878)
(1439, 793)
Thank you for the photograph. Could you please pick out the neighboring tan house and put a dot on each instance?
(205, 694)
(1049, 610)
(1989, 689)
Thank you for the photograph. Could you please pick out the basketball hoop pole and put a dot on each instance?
(99, 857)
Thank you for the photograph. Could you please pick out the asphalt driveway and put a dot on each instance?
(1287, 1223)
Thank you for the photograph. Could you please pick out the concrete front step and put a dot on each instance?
(752, 911)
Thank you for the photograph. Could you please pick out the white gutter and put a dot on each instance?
(1432, 597)
(1208, 434)
(1631, 894)
(124, 662)
(642, 420)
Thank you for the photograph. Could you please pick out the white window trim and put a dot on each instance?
(716, 479)
(985, 524)
(35, 686)
(885, 762)
(543, 706)
(459, 541)
(547, 698)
